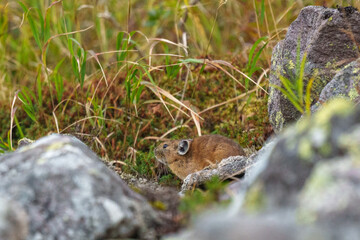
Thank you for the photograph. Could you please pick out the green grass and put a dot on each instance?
(114, 73)
(293, 87)
(198, 200)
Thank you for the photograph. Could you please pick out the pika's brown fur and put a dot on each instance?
(188, 156)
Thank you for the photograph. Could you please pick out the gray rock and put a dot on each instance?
(346, 83)
(13, 221)
(302, 146)
(228, 167)
(68, 193)
(332, 192)
(329, 38)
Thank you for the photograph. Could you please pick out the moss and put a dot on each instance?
(356, 70)
(328, 65)
(271, 95)
(291, 65)
(353, 93)
(279, 120)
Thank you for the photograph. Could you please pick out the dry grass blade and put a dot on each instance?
(84, 6)
(286, 11)
(102, 147)
(257, 21)
(216, 65)
(109, 52)
(87, 118)
(22, 19)
(111, 83)
(108, 136)
(137, 135)
(48, 9)
(243, 74)
(169, 42)
(184, 88)
(167, 54)
(160, 67)
(273, 19)
(97, 60)
(157, 90)
(154, 138)
(263, 74)
(13, 110)
(58, 105)
(228, 101)
(173, 129)
(197, 123)
(96, 88)
(157, 40)
(167, 103)
(56, 122)
(142, 34)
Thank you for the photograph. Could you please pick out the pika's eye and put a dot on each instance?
(165, 145)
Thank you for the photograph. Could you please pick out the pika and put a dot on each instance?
(190, 155)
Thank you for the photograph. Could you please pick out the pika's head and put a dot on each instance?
(171, 151)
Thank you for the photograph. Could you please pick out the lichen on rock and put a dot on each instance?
(313, 33)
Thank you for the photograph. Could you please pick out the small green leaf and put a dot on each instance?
(18, 127)
(262, 15)
(121, 44)
(70, 47)
(290, 98)
(39, 86)
(192, 60)
(83, 70)
(308, 96)
(34, 29)
(288, 86)
(252, 50)
(252, 67)
(42, 25)
(148, 74)
(75, 67)
(300, 80)
(139, 91)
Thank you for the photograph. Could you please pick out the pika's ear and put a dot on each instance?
(184, 147)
